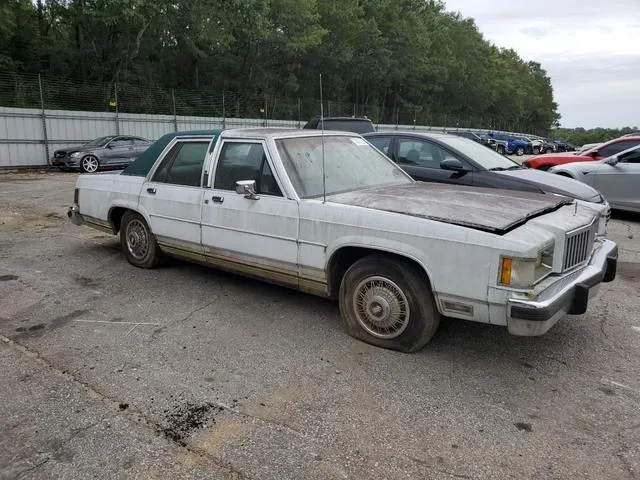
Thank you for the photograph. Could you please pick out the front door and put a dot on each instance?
(421, 159)
(118, 151)
(620, 183)
(172, 198)
(254, 236)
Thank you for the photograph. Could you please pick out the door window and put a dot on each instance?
(631, 157)
(245, 161)
(382, 144)
(420, 153)
(617, 147)
(120, 143)
(183, 164)
(139, 142)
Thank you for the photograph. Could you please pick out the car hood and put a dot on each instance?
(563, 155)
(486, 209)
(77, 148)
(553, 183)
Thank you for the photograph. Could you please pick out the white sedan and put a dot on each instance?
(330, 215)
(617, 177)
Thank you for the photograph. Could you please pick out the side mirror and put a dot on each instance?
(108, 146)
(612, 161)
(594, 154)
(247, 188)
(453, 164)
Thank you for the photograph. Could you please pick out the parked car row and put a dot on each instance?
(328, 213)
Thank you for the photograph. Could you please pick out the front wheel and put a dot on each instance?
(536, 150)
(90, 164)
(386, 302)
(501, 149)
(138, 243)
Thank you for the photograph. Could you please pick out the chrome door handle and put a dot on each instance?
(217, 199)
(151, 190)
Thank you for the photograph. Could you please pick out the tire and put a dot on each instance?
(536, 150)
(501, 149)
(138, 243)
(520, 151)
(89, 164)
(379, 284)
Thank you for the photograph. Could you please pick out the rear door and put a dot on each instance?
(421, 159)
(172, 197)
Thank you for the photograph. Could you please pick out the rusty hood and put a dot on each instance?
(487, 209)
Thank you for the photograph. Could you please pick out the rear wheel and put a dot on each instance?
(520, 151)
(536, 150)
(501, 149)
(138, 243)
(386, 302)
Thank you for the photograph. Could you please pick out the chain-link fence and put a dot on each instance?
(47, 92)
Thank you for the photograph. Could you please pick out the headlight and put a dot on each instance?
(75, 154)
(525, 272)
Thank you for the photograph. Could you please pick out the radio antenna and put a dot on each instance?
(324, 186)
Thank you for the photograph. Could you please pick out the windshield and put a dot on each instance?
(485, 157)
(350, 163)
(98, 142)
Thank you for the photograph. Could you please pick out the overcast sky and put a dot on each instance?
(589, 48)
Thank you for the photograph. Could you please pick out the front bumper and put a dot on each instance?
(74, 214)
(66, 162)
(569, 295)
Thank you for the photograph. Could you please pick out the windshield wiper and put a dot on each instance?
(502, 169)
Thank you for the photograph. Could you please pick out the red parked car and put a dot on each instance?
(545, 162)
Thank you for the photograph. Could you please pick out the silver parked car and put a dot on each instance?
(616, 177)
(104, 152)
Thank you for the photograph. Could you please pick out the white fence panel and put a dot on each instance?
(23, 142)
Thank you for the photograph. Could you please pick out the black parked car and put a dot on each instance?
(344, 124)
(444, 158)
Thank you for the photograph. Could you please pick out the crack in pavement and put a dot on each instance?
(158, 331)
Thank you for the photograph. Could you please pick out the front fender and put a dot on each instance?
(383, 245)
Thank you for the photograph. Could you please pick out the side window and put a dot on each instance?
(381, 143)
(631, 157)
(245, 161)
(138, 142)
(420, 153)
(121, 142)
(183, 164)
(617, 147)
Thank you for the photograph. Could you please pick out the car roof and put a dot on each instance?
(432, 135)
(275, 133)
(145, 161)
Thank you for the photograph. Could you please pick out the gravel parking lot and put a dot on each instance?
(185, 372)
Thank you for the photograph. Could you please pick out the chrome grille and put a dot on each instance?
(578, 245)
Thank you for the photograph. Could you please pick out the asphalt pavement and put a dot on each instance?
(109, 371)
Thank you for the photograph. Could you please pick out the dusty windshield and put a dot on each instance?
(350, 163)
(98, 142)
(483, 156)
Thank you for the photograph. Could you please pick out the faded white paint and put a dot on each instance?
(295, 238)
